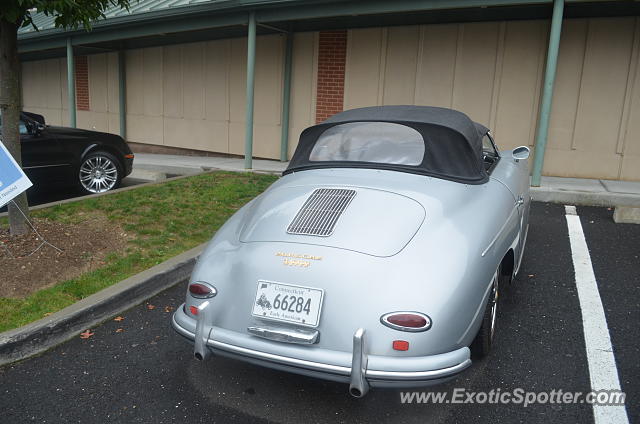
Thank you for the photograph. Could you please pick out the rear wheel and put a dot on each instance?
(483, 342)
(99, 172)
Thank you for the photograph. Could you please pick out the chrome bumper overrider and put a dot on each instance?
(358, 386)
(359, 374)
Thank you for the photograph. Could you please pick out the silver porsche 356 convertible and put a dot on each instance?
(376, 260)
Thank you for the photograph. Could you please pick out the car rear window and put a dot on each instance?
(377, 142)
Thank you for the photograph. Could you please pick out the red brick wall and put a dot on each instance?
(82, 83)
(332, 56)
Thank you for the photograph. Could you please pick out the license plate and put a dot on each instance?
(287, 303)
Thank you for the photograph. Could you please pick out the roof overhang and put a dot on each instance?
(228, 19)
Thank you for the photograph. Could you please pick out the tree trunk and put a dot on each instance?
(10, 109)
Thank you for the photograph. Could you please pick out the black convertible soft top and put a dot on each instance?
(452, 142)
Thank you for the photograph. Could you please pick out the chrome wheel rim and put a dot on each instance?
(494, 304)
(98, 174)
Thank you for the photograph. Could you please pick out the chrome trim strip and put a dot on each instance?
(46, 166)
(524, 242)
(285, 335)
(384, 319)
(333, 369)
(504, 185)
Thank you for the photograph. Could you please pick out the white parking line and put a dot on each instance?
(602, 364)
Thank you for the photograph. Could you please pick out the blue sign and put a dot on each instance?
(13, 181)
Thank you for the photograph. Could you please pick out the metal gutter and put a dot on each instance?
(251, 74)
(168, 13)
(379, 7)
(547, 93)
(71, 84)
(123, 32)
(122, 93)
(233, 12)
(286, 98)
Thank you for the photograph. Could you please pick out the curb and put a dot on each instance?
(107, 193)
(63, 325)
(626, 215)
(584, 198)
(171, 169)
(192, 172)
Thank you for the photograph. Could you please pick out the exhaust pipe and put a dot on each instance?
(200, 349)
(359, 385)
(358, 393)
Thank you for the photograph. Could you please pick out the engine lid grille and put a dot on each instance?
(321, 211)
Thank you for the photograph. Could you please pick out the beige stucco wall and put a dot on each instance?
(193, 95)
(188, 95)
(44, 89)
(45, 92)
(493, 71)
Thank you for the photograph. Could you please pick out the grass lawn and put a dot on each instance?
(161, 221)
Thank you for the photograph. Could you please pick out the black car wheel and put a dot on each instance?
(481, 345)
(99, 172)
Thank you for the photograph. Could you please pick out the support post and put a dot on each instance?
(71, 84)
(547, 92)
(122, 93)
(251, 65)
(286, 97)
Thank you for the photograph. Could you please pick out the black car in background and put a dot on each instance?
(94, 161)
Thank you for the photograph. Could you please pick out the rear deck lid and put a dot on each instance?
(366, 220)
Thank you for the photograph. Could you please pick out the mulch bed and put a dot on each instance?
(27, 265)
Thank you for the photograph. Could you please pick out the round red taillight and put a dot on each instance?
(406, 321)
(202, 290)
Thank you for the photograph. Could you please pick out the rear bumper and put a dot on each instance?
(381, 371)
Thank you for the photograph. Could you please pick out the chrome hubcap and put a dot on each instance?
(494, 304)
(98, 174)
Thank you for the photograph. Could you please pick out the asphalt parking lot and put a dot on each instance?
(138, 370)
(41, 193)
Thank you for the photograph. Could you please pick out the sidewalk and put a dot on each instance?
(581, 191)
(184, 165)
(575, 191)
